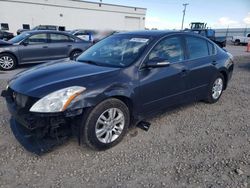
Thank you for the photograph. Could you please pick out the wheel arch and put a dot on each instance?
(74, 50)
(225, 75)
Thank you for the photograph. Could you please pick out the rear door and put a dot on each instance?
(34, 48)
(201, 63)
(60, 45)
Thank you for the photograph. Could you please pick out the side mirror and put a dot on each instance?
(157, 62)
(25, 43)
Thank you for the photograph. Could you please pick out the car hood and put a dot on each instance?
(5, 43)
(49, 77)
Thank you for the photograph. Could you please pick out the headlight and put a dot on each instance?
(57, 101)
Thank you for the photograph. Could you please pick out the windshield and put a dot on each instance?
(19, 38)
(115, 51)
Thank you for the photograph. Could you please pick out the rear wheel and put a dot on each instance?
(215, 89)
(237, 42)
(75, 54)
(106, 124)
(7, 62)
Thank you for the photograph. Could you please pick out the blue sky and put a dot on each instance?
(167, 14)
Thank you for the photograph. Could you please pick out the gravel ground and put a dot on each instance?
(197, 145)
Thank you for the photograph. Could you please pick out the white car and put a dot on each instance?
(237, 40)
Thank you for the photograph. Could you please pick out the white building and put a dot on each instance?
(71, 14)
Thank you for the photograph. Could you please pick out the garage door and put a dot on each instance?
(132, 23)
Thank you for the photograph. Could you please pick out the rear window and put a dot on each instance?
(197, 47)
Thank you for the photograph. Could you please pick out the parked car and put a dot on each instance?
(19, 31)
(91, 35)
(5, 35)
(42, 27)
(40, 46)
(117, 82)
(87, 35)
(237, 40)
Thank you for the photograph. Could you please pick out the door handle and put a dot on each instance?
(45, 46)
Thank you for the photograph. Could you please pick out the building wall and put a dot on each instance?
(72, 14)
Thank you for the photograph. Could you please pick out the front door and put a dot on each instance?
(35, 48)
(163, 86)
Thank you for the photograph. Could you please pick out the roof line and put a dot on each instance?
(101, 10)
(109, 4)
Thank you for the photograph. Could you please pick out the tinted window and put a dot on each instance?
(211, 48)
(197, 47)
(59, 38)
(168, 49)
(37, 39)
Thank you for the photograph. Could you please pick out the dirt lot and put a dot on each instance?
(198, 145)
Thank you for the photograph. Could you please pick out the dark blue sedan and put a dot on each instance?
(116, 83)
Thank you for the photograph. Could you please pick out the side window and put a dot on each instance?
(211, 48)
(197, 47)
(169, 49)
(37, 39)
(55, 38)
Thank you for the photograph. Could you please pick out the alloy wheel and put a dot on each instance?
(6, 62)
(110, 125)
(217, 88)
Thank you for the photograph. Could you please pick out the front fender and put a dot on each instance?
(92, 98)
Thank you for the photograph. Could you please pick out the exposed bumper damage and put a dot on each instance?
(31, 142)
(39, 133)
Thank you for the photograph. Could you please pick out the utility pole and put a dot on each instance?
(184, 12)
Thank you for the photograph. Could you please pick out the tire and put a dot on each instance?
(74, 54)
(215, 89)
(93, 122)
(7, 62)
(237, 42)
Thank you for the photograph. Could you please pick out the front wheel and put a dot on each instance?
(7, 62)
(215, 89)
(106, 124)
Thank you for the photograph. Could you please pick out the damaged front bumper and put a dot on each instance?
(39, 132)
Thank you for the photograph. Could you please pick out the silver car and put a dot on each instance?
(38, 47)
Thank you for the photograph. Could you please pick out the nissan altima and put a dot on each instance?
(116, 83)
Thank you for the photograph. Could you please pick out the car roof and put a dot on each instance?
(158, 33)
(153, 33)
(45, 31)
